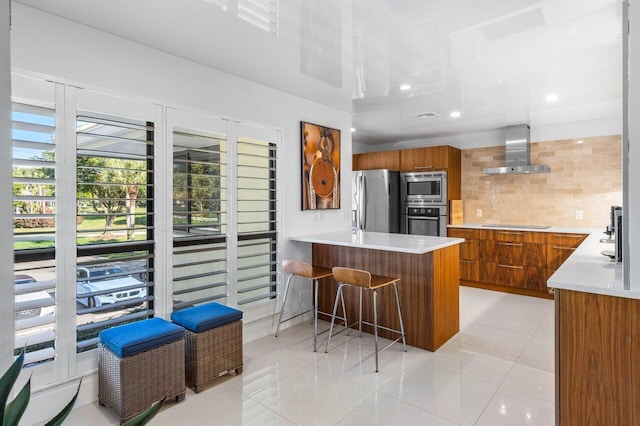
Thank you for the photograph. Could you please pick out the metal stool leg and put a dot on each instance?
(404, 342)
(284, 301)
(375, 323)
(333, 317)
(360, 315)
(315, 316)
(344, 313)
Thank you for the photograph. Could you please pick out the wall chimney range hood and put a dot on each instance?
(518, 145)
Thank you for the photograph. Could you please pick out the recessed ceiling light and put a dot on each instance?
(551, 97)
(405, 87)
(454, 114)
(353, 129)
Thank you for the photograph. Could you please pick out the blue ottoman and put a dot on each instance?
(213, 334)
(138, 364)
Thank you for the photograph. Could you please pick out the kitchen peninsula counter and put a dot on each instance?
(403, 243)
(589, 271)
(597, 339)
(428, 268)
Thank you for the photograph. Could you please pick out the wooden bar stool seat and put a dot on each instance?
(365, 280)
(314, 273)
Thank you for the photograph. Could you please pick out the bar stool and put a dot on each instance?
(314, 273)
(364, 280)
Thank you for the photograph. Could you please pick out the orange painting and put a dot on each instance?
(320, 167)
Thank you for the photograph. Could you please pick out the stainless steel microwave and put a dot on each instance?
(424, 188)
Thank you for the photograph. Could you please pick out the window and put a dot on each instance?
(91, 220)
(115, 223)
(224, 212)
(34, 224)
(199, 218)
(257, 224)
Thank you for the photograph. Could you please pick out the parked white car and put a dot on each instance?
(111, 282)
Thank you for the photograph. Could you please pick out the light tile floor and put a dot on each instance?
(497, 371)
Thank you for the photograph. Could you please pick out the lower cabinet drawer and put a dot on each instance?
(469, 270)
(529, 254)
(469, 250)
(528, 277)
(557, 254)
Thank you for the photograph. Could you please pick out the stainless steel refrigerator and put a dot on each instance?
(376, 201)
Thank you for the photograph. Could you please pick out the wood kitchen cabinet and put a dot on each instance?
(514, 276)
(560, 247)
(515, 259)
(424, 159)
(469, 251)
(436, 158)
(417, 160)
(597, 343)
(511, 260)
(377, 160)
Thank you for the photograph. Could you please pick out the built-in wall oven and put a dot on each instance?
(424, 188)
(418, 220)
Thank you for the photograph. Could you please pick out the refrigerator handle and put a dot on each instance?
(363, 210)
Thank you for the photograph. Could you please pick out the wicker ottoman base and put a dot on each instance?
(129, 385)
(212, 354)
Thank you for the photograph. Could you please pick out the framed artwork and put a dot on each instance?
(320, 167)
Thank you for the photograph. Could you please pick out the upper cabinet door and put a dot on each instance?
(424, 159)
(377, 160)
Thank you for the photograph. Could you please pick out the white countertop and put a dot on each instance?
(588, 270)
(415, 244)
(558, 229)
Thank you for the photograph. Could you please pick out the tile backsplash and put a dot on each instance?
(585, 180)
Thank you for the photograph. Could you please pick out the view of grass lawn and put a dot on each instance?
(30, 235)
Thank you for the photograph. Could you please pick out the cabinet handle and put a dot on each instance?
(511, 244)
(511, 232)
(467, 261)
(563, 248)
(510, 266)
(423, 167)
(567, 236)
(552, 291)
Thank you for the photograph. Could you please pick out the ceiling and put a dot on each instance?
(493, 61)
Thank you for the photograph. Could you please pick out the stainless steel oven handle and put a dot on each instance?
(422, 218)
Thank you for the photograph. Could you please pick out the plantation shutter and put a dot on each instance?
(261, 13)
(115, 227)
(34, 224)
(199, 218)
(257, 220)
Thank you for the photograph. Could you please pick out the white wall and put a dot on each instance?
(633, 209)
(74, 53)
(6, 228)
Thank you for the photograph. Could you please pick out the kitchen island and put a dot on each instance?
(597, 339)
(428, 268)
